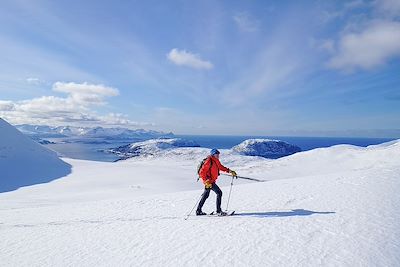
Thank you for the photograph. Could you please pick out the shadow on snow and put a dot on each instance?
(297, 212)
(33, 174)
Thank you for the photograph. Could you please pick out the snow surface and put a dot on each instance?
(266, 148)
(336, 206)
(24, 162)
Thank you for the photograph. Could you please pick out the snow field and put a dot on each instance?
(332, 207)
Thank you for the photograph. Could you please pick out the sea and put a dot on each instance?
(95, 151)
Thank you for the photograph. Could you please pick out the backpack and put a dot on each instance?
(200, 166)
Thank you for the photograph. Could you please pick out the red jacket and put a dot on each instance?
(211, 168)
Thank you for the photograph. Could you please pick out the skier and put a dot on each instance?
(209, 173)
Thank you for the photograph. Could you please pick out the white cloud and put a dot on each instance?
(46, 104)
(354, 4)
(346, 8)
(118, 119)
(370, 37)
(376, 44)
(84, 88)
(35, 81)
(246, 23)
(74, 109)
(388, 7)
(183, 58)
(6, 105)
(85, 93)
(327, 45)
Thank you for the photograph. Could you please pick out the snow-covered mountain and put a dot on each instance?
(40, 130)
(265, 148)
(122, 133)
(89, 132)
(24, 162)
(151, 147)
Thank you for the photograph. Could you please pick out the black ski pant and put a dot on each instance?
(206, 194)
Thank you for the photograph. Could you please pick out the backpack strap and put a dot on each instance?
(211, 163)
(198, 178)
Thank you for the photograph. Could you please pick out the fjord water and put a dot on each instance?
(94, 151)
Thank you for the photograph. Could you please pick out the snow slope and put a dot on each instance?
(24, 162)
(334, 206)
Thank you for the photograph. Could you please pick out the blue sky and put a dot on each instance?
(203, 67)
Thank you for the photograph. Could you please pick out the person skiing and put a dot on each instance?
(209, 173)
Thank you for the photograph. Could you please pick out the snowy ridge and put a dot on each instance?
(24, 162)
(265, 148)
(151, 147)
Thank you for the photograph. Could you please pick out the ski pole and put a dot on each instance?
(246, 178)
(229, 197)
(187, 216)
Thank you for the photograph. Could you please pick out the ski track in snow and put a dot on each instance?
(329, 207)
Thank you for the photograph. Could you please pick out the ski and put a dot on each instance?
(228, 213)
(212, 214)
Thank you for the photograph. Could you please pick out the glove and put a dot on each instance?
(208, 184)
(233, 173)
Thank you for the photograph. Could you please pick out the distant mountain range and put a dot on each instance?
(44, 131)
